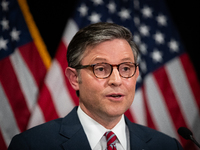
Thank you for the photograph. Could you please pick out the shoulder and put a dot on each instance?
(48, 135)
(45, 128)
(152, 133)
(37, 136)
(153, 138)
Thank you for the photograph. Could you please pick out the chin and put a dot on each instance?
(116, 112)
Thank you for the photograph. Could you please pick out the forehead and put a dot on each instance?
(112, 51)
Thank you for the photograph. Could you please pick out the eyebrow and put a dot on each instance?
(105, 60)
(127, 59)
(100, 59)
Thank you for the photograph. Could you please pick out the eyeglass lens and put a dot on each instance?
(104, 70)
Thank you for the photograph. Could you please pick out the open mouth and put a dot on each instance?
(115, 96)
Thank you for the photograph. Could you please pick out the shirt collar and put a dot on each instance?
(120, 132)
(90, 127)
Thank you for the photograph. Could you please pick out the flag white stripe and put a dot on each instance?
(25, 78)
(138, 108)
(8, 123)
(184, 94)
(70, 31)
(65, 103)
(157, 107)
(59, 92)
(36, 117)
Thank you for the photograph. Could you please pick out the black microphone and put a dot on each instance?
(187, 134)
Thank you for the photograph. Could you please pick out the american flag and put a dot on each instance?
(24, 61)
(167, 89)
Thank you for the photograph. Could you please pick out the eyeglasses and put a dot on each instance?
(104, 70)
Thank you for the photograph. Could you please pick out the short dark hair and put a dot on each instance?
(95, 34)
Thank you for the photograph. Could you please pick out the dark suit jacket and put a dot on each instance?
(68, 134)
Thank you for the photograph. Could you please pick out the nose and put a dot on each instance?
(115, 78)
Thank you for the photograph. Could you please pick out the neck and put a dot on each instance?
(106, 121)
(109, 123)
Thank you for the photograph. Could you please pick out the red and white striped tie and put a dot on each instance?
(111, 140)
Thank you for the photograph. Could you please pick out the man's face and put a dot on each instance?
(107, 98)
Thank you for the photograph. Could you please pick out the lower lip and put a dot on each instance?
(115, 98)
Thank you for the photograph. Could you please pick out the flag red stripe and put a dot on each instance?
(30, 54)
(2, 143)
(191, 76)
(14, 94)
(63, 63)
(149, 119)
(46, 104)
(170, 99)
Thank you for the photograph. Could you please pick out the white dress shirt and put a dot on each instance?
(95, 132)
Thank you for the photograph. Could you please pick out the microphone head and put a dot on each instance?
(185, 133)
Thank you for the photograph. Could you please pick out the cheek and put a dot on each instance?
(130, 83)
(90, 85)
(130, 86)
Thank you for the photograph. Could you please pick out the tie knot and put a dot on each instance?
(110, 138)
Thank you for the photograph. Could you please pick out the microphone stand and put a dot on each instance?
(193, 140)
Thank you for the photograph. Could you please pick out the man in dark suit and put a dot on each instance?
(103, 70)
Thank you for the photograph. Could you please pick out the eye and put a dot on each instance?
(126, 68)
(99, 68)
(102, 69)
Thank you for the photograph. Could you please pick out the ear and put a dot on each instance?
(72, 76)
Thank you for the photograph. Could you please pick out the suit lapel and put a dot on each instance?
(78, 141)
(138, 138)
(137, 144)
(72, 129)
